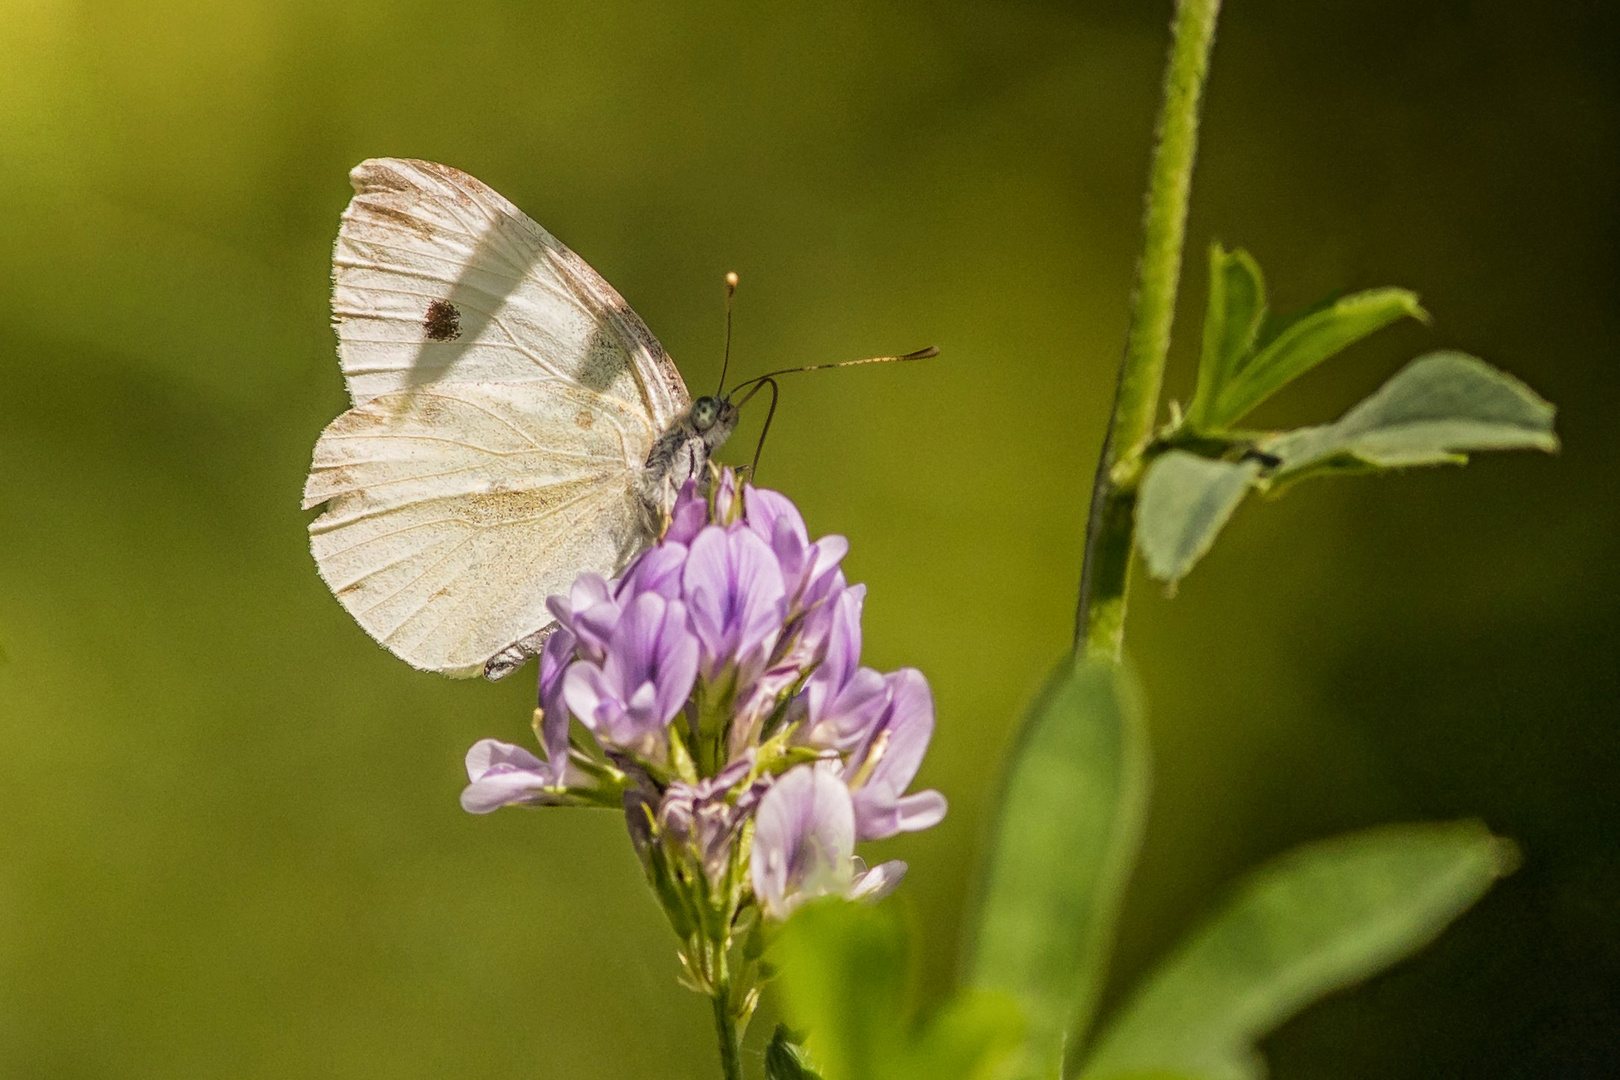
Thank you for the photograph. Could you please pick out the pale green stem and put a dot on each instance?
(725, 1027)
(1110, 528)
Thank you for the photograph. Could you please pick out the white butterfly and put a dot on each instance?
(514, 423)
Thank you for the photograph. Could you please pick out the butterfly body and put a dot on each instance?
(514, 423)
(683, 453)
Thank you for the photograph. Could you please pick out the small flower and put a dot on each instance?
(588, 615)
(688, 517)
(806, 568)
(644, 679)
(804, 844)
(554, 660)
(884, 765)
(500, 774)
(842, 700)
(709, 816)
(734, 586)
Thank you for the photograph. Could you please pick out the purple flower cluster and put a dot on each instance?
(715, 692)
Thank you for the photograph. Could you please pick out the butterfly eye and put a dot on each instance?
(705, 411)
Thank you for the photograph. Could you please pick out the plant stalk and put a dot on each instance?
(1099, 626)
(725, 1027)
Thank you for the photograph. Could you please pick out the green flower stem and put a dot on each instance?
(725, 1027)
(1110, 528)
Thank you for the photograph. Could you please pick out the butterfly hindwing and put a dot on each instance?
(453, 512)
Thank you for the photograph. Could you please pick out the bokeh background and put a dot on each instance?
(229, 838)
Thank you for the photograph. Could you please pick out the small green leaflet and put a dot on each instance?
(1237, 308)
(1432, 412)
(1232, 321)
(843, 977)
(1237, 370)
(1065, 841)
(1320, 918)
(1184, 503)
(785, 1059)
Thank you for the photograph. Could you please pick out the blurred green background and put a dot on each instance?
(229, 838)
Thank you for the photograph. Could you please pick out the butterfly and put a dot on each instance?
(514, 423)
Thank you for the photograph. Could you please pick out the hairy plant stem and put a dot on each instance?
(725, 1027)
(1099, 625)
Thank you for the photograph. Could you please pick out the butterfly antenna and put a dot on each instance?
(753, 470)
(921, 354)
(731, 290)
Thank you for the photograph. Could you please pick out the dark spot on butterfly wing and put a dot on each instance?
(442, 322)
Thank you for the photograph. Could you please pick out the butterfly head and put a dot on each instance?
(712, 418)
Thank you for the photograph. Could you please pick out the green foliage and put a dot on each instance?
(1429, 413)
(1232, 320)
(785, 1059)
(1308, 341)
(843, 979)
(1185, 501)
(1432, 412)
(1068, 833)
(1236, 371)
(1320, 918)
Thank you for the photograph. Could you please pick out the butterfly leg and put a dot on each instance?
(517, 654)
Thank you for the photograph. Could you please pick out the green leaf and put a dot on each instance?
(1429, 413)
(843, 981)
(785, 1059)
(1184, 502)
(1237, 307)
(973, 1036)
(1302, 345)
(1320, 918)
(1066, 839)
(842, 972)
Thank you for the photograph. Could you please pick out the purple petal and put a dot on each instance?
(765, 508)
(734, 590)
(879, 814)
(657, 570)
(555, 657)
(792, 551)
(634, 650)
(643, 680)
(804, 837)
(726, 777)
(591, 696)
(847, 719)
(874, 884)
(487, 754)
(888, 761)
(759, 592)
(501, 774)
(843, 645)
(723, 499)
(677, 662)
(688, 516)
(589, 613)
(829, 552)
(905, 731)
(706, 584)
(554, 661)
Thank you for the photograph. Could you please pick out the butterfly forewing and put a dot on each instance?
(505, 402)
(438, 278)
